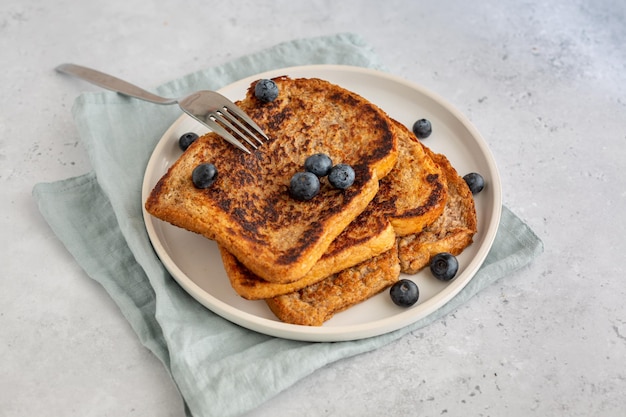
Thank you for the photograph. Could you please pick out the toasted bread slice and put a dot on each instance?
(410, 197)
(370, 234)
(248, 210)
(452, 232)
(313, 305)
(414, 193)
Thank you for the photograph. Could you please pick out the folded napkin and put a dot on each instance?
(220, 369)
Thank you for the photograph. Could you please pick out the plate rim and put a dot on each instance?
(343, 332)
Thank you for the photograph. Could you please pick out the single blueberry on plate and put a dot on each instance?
(444, 266)
(186, 140)
(319, 164)
(404, 293)
(422, 128)
(204, 175)
(304, 186)
(341, 176)
(475, 182)
(266, 90)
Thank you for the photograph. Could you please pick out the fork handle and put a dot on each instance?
(112, 83)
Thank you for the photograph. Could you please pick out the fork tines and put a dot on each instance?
(234, 125)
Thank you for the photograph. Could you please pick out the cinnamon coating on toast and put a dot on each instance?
(452, 232)
(248, 210)
(315, 304)
(312, 259)
(411, 196)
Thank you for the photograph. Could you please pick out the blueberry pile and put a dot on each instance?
(306, 185)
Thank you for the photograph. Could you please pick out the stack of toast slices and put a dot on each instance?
(312, 259)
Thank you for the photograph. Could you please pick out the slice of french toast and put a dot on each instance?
(315, 304)
(410, 197)
(370, 234)
(414, 193)
(248, 210)
(452, 232)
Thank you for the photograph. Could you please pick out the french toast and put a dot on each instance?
(370, 234)
(452, 232)
(248, 210)
(315, 304)
(414, 193)
(410, 197)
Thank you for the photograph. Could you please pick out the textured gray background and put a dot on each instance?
(545, 84)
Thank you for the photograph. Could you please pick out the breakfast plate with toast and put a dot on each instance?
(260, 257)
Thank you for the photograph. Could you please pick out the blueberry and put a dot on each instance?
(475, 182)
(266, 90)
(404, 293)
(187, 139)
(319, 164)
(304, 186)
(341, 176)
(444, 266)
(422, 128)
(204, 175)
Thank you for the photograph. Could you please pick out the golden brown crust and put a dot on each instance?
(314, 305)
(411, 196)
(248, 209)
(414, 193)
(452, 232)
(310, 260)
(370, 234)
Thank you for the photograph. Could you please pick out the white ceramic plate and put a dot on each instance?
(195, 263)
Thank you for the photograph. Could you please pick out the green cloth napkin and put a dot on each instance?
(220, 369)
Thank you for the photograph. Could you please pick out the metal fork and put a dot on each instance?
(211, 109)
